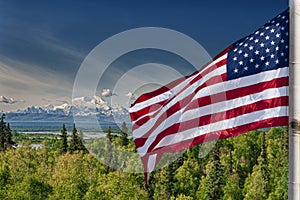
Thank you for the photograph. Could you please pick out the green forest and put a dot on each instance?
(250, 166)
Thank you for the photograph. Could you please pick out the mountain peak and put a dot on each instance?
(81, 107)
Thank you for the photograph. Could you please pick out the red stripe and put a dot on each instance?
(181, 145)
(219, 97)
(269, 84)
(238, 92)
(157, 106)
(171, 85)
(205, 120)
(182, 103)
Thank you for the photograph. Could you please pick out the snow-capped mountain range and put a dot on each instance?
(81, 107)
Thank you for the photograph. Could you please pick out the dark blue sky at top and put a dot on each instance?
(83, 24)
(214, 23)
(57, 35)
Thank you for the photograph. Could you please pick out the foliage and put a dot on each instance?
(249, 166)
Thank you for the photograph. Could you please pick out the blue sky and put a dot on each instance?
(43, 43)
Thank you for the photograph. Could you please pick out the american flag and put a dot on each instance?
(244, 88)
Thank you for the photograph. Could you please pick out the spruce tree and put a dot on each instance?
(2, 132)
(8, 137)
(74, 140)
(124, 134)
(64, 137)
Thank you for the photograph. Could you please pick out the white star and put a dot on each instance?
(286, 46)
(235, 49)
(272, 30)
(282, 41)
(286, 33)
(236, 70)
(282, 28)
(272, 55)
(257, 32)
(235, 58)
(285, 59)
(245, 55)
(241, 43)
(251, 38)
(282, 54)
(283, 17)
(261, 34)
(245, 45)
(277, 35)
(256, 40)
(251, 60)
(277, 48)
(256, 52)
(257, 66)
(246, 68)
(262, 44)
(277, 24)
(267, 37)
(251, 48)
(287, 21)
(262, 58)
(240, 51)
(267, 50)
(241, 62)
(277, 61)
(267, 27)
(267, 63)
(272, 43)
(273, 22)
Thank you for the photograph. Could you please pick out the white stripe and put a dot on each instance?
(151, 162)
(188, 91)
(217, 126)
(234, 103)
(180, 117)
(172, 91)
(211, 90)
(242, 82)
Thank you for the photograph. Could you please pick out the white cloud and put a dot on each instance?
(107, 93)
(131, 95)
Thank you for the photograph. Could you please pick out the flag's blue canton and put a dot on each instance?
(265, 49)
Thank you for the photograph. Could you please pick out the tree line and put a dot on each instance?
(250, 166)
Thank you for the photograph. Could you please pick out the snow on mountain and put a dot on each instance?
(80, 107)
